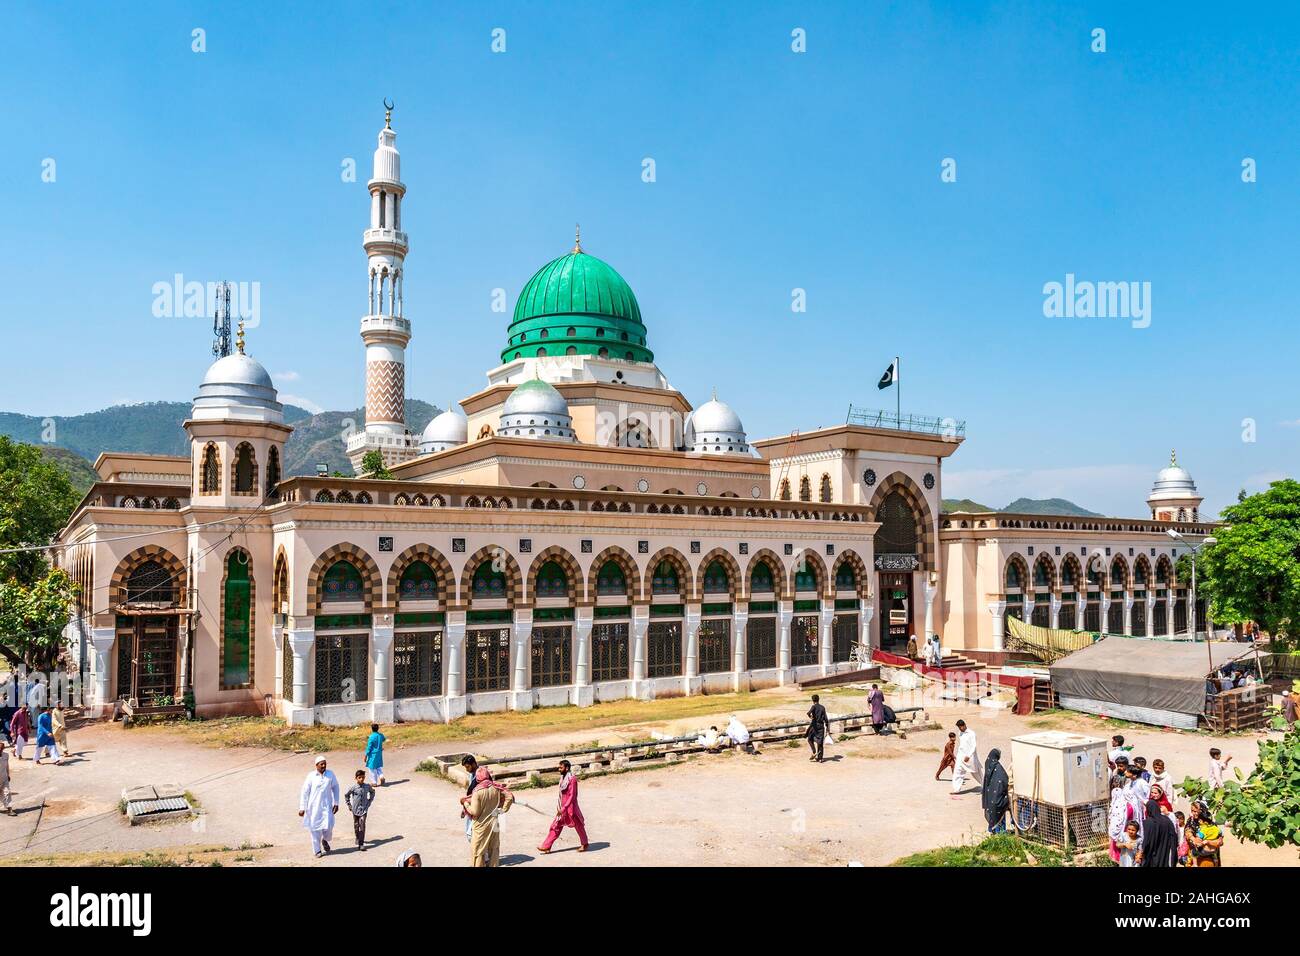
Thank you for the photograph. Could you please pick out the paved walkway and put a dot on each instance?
(875, 800)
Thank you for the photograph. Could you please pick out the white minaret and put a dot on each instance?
(385, 328)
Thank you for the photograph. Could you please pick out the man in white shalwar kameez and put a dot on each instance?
(317, 804)
(968, 759)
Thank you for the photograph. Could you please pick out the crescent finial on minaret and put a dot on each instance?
(388, 113)
(577, 237)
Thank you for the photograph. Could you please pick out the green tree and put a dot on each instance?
(372, 466)
(1265, 806)
(36, 499)
(1253, 572)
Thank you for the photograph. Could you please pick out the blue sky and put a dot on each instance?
(775, 171)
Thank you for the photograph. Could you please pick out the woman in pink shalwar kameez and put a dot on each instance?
(568, 814)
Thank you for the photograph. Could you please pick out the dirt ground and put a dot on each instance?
(874, 800)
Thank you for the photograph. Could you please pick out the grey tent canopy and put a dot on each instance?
(1152, 681)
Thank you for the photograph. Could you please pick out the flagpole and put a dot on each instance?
(898, 393)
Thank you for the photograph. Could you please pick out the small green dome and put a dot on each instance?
(577, 305)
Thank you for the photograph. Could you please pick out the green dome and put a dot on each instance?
(577, 305)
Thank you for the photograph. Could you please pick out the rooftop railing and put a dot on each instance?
(949, 428)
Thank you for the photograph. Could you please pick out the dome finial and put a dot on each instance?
(239, 337)
(715, 393)
(577, 238)
(1173, 458)
(388, 113)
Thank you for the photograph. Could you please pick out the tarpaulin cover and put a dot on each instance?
(1024, 685)
(1160, 675)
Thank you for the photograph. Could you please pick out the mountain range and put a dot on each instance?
(155, 428)
(1024, 506)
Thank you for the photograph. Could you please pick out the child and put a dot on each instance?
(375, 756)
(1141, 763)
(45, 745)
(1182, 837)
(949, 760)
(359, 796)
(1164, 780)
(1128, 846)
(5, 796)
(1217, 767)
(1117, 749)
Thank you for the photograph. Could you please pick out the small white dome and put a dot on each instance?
(714, 428)
(237, 387)
(535, 397)
(1173, 484)
(535, 409)
(444, 431)
(715, 416)
(237, 369)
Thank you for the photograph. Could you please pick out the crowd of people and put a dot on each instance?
(1144, 826)
(485, 801)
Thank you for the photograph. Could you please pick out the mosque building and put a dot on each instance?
(577, 532)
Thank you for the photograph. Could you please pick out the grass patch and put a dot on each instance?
(275, 734)
(1003, 849)
(177, 857)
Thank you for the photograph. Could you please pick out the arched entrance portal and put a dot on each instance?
(898, 550)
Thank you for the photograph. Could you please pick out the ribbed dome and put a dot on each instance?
(445, 431)
(1174, 486)
(237, 387)
(238, 369)
(577, 305)
(716, 416)
(536, 410)
(535, 397)
(714, 428)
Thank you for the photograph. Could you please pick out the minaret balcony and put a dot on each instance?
(386, 323)
(387, 237)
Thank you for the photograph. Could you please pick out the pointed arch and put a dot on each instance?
(1120, 565)
(359, 558)
(805, 488)
(210, 470)
(1141, 572)
(1048, 575)
(729, 564)
(273, 472)
(1015, 573)
(433, 558)
(1071, 573)
(509, 567)
(915, 498)
(281, 583)
(810, 560)
(824, 492)
(243, 470)
(1164, 571)
(769, 558)
(625, 562)
(172, 576)
(577, 591)
(862, 580)
(685, 580)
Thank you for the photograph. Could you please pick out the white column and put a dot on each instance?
(691, 624)
(868, 612)
(1128, 613)
(739, 646)
(1104, 609)
(930, 591)
(825, 652)
(784, 615)
(1169, 611)
(1056, 610)
(277, 639)
(103, 640)
(997, 609)
(1151, 614)
(1027, 608)
(302, 641)
(381, 643)
(640, 630)
(521, 698)
(454, 648)
(583, 693)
